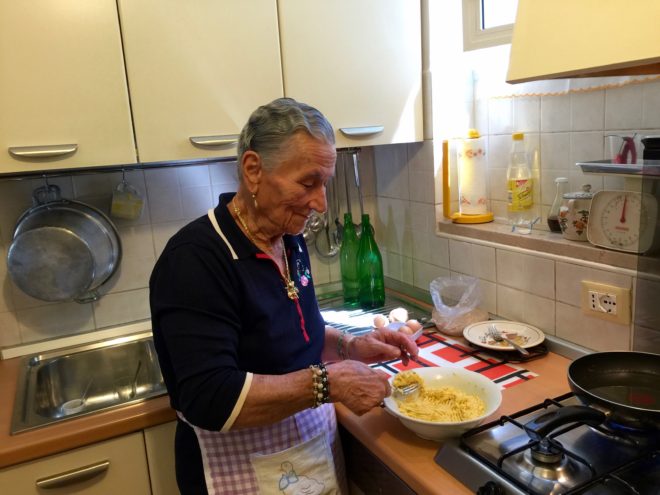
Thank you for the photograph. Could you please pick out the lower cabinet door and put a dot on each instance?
(113, 466)
(159, 441)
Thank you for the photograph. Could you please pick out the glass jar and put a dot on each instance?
(553, 213)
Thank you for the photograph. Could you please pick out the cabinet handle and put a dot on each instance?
(43, 151)
(225, 140)
(73, 476)
(362, 131)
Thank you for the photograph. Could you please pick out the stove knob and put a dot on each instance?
(490, 488)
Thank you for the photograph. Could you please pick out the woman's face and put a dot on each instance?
(289, 192)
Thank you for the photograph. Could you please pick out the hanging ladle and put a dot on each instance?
(358, 226)
(339, 228)
(325, 242)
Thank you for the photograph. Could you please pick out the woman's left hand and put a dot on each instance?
(382, 345)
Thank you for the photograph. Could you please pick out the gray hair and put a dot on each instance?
(272, 125)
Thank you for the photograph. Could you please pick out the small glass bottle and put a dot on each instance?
(370, 269)
(553, 212)
(348, 262)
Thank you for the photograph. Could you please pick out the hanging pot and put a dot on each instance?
(62, 250)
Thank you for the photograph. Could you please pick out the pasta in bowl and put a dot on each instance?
(450, 401)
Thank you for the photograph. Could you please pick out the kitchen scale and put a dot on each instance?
(623, 220)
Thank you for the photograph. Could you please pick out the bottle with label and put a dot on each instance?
(370, 269)
(348, 259)
(520, 185)
(553, 212)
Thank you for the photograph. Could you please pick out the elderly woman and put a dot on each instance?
(250, 366)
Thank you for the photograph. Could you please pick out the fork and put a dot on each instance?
(406, 391)
(498, 337)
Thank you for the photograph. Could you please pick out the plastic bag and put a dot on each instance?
(455, 302)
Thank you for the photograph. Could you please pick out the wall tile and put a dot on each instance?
(398, 267)
(121, 308)
(196, 201)
(52, 321)
(392, 178)
(488, 296)
(526, 112)
(593, 333)
(161, 178)
(193, 175)
(461, 258)
(484, 262)
(510, 303)
(440, 251)
(651, 105)
(500, 116)
(525, 272)
(165, 205)
(555, 151)
(569, 277)
(587, 111)
(223, 173)
(555, 113)
(623, 108)
(10, 334)
(424, 273)
(320, 266)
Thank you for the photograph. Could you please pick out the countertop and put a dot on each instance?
(407, 455)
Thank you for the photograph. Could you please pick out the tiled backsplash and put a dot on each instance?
(534, 287)
(173, 196)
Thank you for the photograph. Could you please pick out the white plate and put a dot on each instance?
(526, 335)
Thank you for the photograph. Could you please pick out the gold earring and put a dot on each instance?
(254, 198)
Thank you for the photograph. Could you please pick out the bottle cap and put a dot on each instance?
(473, 134)
(518, 136)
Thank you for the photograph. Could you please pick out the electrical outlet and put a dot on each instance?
(606, 301)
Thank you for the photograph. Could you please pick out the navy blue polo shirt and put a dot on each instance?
(219, 310)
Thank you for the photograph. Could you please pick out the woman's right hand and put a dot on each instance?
(357, 386)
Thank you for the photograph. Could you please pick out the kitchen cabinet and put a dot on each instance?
(159, 444)
(63, 95)
(196, 70)
(114, 466)
(358, 62)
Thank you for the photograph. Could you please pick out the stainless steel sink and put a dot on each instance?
(70, 383)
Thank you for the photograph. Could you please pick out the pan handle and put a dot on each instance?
(88, 297)
(542, 425)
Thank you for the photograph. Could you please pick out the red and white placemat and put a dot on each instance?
(439, 350)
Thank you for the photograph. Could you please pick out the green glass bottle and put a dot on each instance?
(370, 269)
(348, 262)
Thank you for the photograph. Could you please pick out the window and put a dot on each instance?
(487, 22)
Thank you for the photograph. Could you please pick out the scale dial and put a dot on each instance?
(622, 220)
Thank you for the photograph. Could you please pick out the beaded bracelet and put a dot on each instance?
(320, 384)
(343, 354)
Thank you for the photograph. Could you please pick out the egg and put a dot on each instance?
(380, 321)
(406, 329)
(414, 325)
(399, 314)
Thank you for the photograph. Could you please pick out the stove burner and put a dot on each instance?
(547, 453)
(542, 454)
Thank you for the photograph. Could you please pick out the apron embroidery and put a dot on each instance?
(303, 273)
(226, 455)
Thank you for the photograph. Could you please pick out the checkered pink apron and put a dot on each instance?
(226, 455)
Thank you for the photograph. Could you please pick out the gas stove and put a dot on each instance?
(506, 457)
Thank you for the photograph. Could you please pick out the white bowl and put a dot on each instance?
(468, 382)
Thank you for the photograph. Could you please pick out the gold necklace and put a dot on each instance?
(290, 285)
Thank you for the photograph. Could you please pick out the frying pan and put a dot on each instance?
(618, 390)
(623, 385)
(62, 250)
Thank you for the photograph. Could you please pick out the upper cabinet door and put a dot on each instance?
(63, 96)
(196, 71)
(359, 62)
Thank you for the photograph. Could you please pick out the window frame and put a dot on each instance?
(474, 37)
